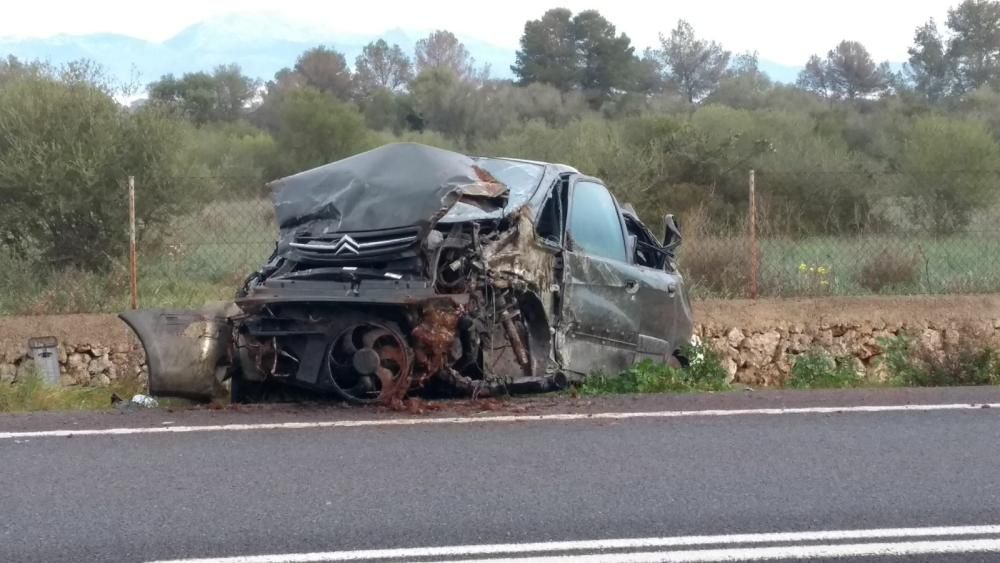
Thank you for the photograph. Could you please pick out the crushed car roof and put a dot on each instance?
(404, 184)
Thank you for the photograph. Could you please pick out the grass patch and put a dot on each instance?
(816, 370)
(705, 373)
(874, 264)
(897, 264)
(32, 393)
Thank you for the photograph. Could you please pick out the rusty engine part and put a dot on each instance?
(434, 343)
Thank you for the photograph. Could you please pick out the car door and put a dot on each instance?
(599, 313)
(665, 318)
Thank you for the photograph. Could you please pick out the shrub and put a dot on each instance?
(950, 167)
(705, 367)
(816, 370)
(316, 128)
(66, 148)
(238, 156)
(704, 373)
(968, 364)
(717, 266)
(889, 270)
(811, 176)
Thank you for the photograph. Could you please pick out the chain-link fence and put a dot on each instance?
(931, 235)
(184, 258)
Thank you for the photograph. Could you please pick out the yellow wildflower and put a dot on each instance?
(822, 270)
(803, 267)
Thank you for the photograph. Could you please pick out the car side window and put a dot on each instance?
(551, 221)
(594, 224)
(648, 251)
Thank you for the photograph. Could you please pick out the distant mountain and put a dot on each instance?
(260, 44)
(780, 72)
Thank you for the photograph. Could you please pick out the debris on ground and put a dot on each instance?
(138, 401)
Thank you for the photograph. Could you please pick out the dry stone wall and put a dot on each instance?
(95, 350)
(96, 364)
(759, 341)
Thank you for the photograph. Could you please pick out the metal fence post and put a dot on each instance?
(132, 254)
(754, 256)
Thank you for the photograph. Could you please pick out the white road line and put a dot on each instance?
(613, 544)
(488, 419)
(794, 553)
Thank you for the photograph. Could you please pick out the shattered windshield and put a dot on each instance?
(521, 177)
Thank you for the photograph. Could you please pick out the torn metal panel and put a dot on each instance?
(185, 350)
(518, 254)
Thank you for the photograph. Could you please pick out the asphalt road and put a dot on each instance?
(246, 491)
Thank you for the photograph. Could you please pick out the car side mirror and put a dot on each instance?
(671, 232)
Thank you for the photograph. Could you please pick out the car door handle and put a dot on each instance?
(631, 286)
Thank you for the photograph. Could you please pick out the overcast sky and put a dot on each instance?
(784, 31)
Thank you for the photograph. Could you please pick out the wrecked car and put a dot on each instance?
(407, 267)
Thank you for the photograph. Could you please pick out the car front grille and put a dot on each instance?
(356, 245)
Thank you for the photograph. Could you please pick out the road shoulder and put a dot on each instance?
(544, 405)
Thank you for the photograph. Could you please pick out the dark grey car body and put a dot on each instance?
(409, 266)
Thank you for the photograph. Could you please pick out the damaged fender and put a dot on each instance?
(187, 351)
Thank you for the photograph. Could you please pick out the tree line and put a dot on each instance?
(584, 54)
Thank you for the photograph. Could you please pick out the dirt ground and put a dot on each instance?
(742, 313)
(770, 313)
(100, 328)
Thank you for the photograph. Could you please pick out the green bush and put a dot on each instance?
(238, 156)
(705, 372)
(66, 148)
(809, 181)
(968, 364)
(316, 128)
(816, 370)
(950, 168)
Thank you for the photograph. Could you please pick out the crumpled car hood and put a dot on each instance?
(396, 185)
